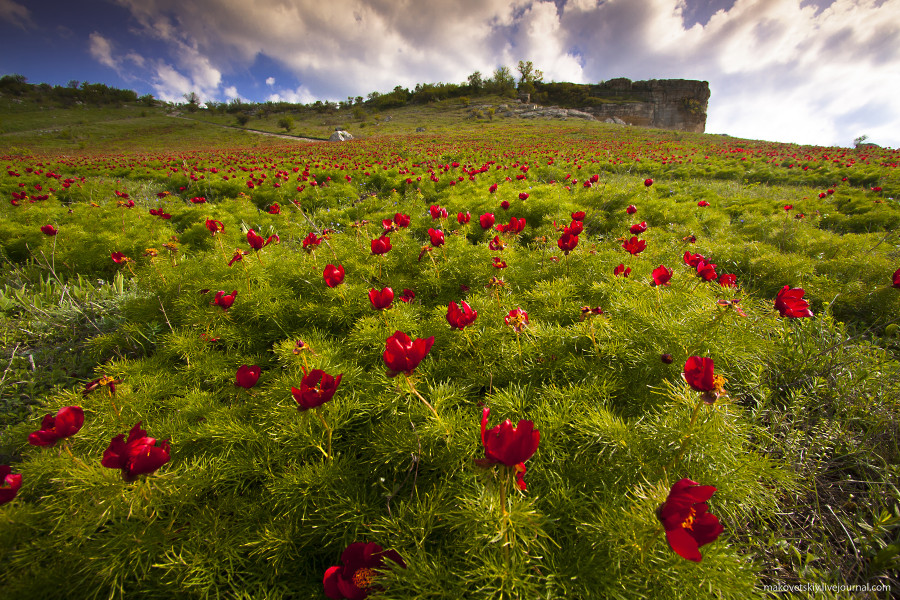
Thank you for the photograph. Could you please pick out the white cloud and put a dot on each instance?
(776, 69)
(16, 14)
(231, 92)
(299, 96)
(270, 81)
(101, 49)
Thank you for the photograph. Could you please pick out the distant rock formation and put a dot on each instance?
(340, 136)
(664, 103)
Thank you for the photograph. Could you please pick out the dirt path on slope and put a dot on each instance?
(256, 131)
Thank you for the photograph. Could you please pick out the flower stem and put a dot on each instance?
(413, 388)
(327, 428)
(686, 441)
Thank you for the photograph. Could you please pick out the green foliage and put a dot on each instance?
(259, 498)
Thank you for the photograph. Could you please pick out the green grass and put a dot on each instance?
(802, 450)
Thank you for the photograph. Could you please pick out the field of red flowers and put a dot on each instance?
(524, 361)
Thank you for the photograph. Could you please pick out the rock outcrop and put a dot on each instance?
(340, 136)
(664, 103)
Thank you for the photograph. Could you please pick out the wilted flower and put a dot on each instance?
(496, 244)
(634, 245)
(517, 319)
(686, 519)
(661, 275)
(790, 303)
(587, 311)
(403, 355)
(498, 263)
(508, 445)
(381, 299)
(246, 376)
(9, 484)
(621, 270)
(106, 380)
(67, 422)
(334, 275)
(138, 456)
(486, 220)
(49, 230)
(224, 300)
(356, 577)
(381, 245)
(460, 316)
(666, 358)
(316, 388)
(238, 256)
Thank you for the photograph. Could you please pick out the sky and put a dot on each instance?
(819, 72)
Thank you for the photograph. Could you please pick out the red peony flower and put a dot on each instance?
(437, 212)
(49, 230)
(437, 237)
(638, 228)
(631, 209)
(508, 445)
(407, 295)
(9, 484)
(702, 203)
(460, 316)
(790, 303)
(896, 279)
(316, 388)
(661, 275)
(246, 376)
(648, 182)
(138, 456)
(505, 205)
(224, 300)
(706, 271)
(334, 275)
(578, 216)
(401, 220)
(523, 195)
(693, 259)
(728, 280)
(381, 245)
(567, 242)
(311, 241)
(463, 218)
(257, 242)
(215, 227)
(788, 207)
(517, 319)
(492, 189)
(621, 270)
(67, 422)
(381, 299)
(356, 577)
(497, 263)
(698, 372)
(274, 209)
(403, 355)
(686, 519)
(119, 258)
(486, 220)
(634, 245)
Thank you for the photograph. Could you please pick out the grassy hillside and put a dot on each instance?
(698, 307)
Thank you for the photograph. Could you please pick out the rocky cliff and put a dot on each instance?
(665, 103)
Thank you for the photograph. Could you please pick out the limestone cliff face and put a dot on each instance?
(665, 103)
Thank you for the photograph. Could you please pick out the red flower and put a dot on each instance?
(517, 319)
(215, 227)
(119, 257)
(381, 299)
(575, 228)
(567, 242)
(463, 218)
(788, 207)
(381, 245)
(356, 578)
(67, 422)
(492, 190)
(198, 200)
(49, 230)
(661, 275)
(486, 220)
(693, 259)
(621, 270)
(437, 212)
(634, 245)
(334, 275)
(505, 205)
(728, 280)
(698, 372)
(631, 209)
(896, 279)
(508, 445)
(578, 216)
(497, 263)
(648, 182)
(238, 256)
(790, 303)
(403, 355)
(316, 388)
(138, 456)
(496, 244)
(274, 209)
(246, 376)
(407, 295)
(437, 237)
(257, 242)
(686, 519)
(523, 195)
(311, 241)
(9, 484)
(460, 316)
(106, 380)
(224, 300)
(702, 203)
(401, 220)
(876, 189)
(638, 228)
(706, 271)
